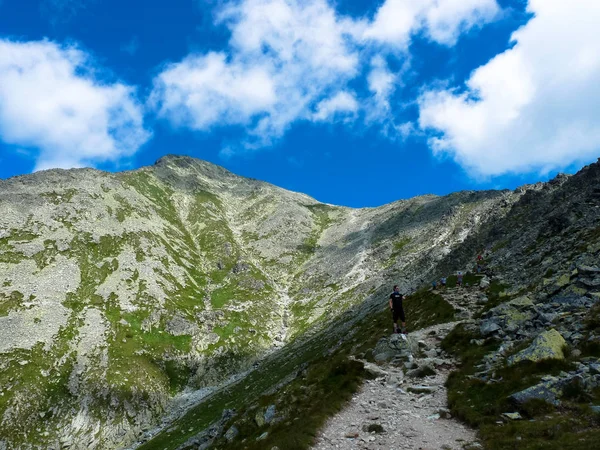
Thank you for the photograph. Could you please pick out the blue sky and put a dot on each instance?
(353, 102)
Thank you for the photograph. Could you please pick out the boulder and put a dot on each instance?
(521, 302)
(484, 283)
(511, 317)
(263, 436)
(374, 370)
(588, 270)
(548, 345)
(396, 345)
(259, 418)
(545, 391)
(488, 327)
(270, 414)
(421, 389)
(232, 433)
(563, 280)
(549, 390)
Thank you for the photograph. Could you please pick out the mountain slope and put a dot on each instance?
(120, 291)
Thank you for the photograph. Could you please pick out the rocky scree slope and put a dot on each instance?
(533, 348)
(122, 293)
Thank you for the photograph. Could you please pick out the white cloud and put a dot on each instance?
(204, 90)
(51, 100)
(286, 58)
(382, 83)
(396, 21)
(445, 20)
(342, 104)
(533, 107)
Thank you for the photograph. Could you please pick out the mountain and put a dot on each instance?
(128, 299)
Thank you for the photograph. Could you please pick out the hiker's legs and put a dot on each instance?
(395, 317)
(403, 319)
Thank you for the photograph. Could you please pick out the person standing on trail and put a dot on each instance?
(397, 310)
(459, 278)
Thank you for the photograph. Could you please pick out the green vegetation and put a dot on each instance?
(34, 375)
(500, 245)
(322, 220)
(58, 198)
(425, 308)
(7, 251)
(398, 247)
(11, 302)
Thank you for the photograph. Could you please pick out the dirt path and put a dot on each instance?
(411, 411)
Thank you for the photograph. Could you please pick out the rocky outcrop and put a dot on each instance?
(548, 345)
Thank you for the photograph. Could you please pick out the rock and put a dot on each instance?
(547, 317)
(373, 428)
(263, 436)
(259, 418)
(421, 372)
(269, 414)
(510, 317)
(521, 302)
(550, 390)
(232, 433)
(488, 327)
(512, 416)
(444, 413)
(420, 389)
(563, 280)
(548, 345)
(388, 348)
(395, 379)
(588, 270)
(374, 370)
(472, 446)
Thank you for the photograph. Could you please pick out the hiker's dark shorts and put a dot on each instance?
(398, 314)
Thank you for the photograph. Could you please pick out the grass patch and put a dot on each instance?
(500, 245)
(12, 302)
(424, 309)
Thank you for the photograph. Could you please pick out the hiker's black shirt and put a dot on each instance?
(396, 299)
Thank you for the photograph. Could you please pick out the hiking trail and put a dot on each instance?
(400, 410)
